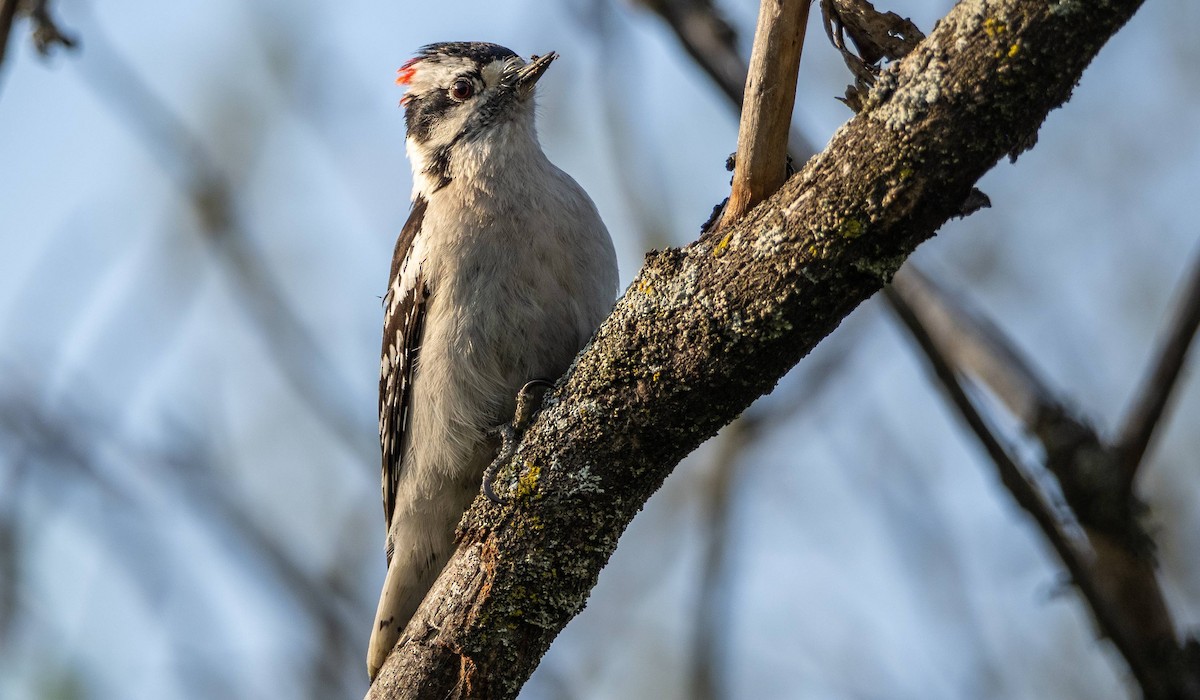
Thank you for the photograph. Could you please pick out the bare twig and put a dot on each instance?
(1024, 491)
(1074, 557)
(708, 38)
(1146, 413)
(8, 14)
(970, 342)
(1118, 580)
(767, 107)
(46, 32)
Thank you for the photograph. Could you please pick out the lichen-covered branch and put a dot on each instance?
(706, 329)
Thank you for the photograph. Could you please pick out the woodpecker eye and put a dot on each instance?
(462, 89)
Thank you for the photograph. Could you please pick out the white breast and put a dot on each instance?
(521, 271)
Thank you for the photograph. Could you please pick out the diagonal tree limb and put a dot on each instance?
(708, 38)
(1075, 453)
(1116, 577)
(1075, 556)
(971, 342)
(1146, 413)
(706, 329)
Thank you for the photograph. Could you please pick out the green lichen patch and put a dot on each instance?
(851, 229)
(527, 485)
(722, 245)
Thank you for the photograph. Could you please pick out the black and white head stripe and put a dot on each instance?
(437, 67)
(478, 51)
(457, 91)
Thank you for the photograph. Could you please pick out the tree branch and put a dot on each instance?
(8, 14)
(972, 343)
(1024, 491)
(1147, 411)
(913, 310)
(709, 40)
(1112, 565)
(706, 329)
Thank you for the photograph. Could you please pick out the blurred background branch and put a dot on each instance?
(1113, 564)
(80, 449)
(197, 176)
(1154, 394)
(46, 33)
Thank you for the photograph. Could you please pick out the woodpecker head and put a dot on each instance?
(462, 94)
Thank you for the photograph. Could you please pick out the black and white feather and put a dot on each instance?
(404, 319)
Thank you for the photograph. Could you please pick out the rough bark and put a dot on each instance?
(706, 329)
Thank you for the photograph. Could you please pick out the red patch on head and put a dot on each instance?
(405, 75)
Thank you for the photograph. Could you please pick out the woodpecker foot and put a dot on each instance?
(529, 398)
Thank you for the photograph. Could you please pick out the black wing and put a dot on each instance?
(402, 326)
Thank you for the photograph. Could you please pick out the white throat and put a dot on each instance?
(509, 149)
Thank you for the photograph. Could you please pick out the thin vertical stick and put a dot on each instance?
(767, 107)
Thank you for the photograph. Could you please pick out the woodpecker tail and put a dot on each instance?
(420, 554)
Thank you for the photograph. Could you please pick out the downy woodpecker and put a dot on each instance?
(501, 274)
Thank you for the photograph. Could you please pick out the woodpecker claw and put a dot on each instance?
(507, 448)
(510, 434)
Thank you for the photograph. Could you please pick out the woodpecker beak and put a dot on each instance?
(525, 78)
